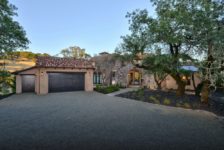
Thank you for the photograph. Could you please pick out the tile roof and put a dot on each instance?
(44, 61)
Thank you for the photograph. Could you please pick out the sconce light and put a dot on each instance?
(184, 78)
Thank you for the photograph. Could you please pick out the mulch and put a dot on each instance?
(5, 96)
(169, 98)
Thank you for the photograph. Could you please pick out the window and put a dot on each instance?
(113, 74)
(97, 78)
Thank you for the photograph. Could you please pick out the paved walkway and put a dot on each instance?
(122, 91)
(93, 121)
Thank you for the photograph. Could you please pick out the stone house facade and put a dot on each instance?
(110, 71)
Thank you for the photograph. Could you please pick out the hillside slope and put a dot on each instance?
(16, 65)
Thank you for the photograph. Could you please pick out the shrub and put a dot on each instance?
(194, 105)
(154, 99)
(7, 82)
(98, 87)
(158, 96)
(167, 101)
(187, 105)
(178, 105)
(106, 89)
(140, 92)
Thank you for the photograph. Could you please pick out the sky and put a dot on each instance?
(96, 25)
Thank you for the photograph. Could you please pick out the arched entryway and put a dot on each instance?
(134, 77)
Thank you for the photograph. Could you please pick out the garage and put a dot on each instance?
(65, 82)
(28, 83)
(55, 74)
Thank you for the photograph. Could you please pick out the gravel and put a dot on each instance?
(90, 120)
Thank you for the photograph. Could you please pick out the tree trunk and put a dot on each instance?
(181, 88)
(180, 84)
(159, 87)
(195, 87)
(205, 92)
(193, 80)
(205, 89)
(157, 82)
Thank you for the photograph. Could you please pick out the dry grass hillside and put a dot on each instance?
(20, 60)
(18, 64)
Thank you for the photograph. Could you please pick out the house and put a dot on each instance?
(54, 74)
(110, 70)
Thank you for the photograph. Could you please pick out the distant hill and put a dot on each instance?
(19, 60)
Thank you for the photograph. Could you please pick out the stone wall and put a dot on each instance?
(109, 65)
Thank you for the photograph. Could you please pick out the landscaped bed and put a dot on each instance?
(189, 101)
(5, 96)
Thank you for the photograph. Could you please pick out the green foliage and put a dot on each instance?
(12, 35)
(166, 36)
(140, 92)
(154, 99)
(186, 105)
(166, 101)
(180, 28)
(74, 51)
(7, 81)
(123, 57)
(107, 89)
(220, 81)
(178, 105)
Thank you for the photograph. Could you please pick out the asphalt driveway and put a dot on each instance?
(80, 120)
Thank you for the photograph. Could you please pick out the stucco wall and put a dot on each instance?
(149, 81)
(18, 84)
(41, 78)
(170, 83)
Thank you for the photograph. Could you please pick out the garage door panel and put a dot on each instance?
(62, 82)
(28, 83)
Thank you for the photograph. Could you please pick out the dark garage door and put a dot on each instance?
(64, 82)
(28, 83)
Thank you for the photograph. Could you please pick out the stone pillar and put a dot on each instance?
(37, 81)
(43, 82)
(18, 84)
(89, 80)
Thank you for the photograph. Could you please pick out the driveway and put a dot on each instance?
(81, 120)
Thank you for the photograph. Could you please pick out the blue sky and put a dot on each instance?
(95, 25)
